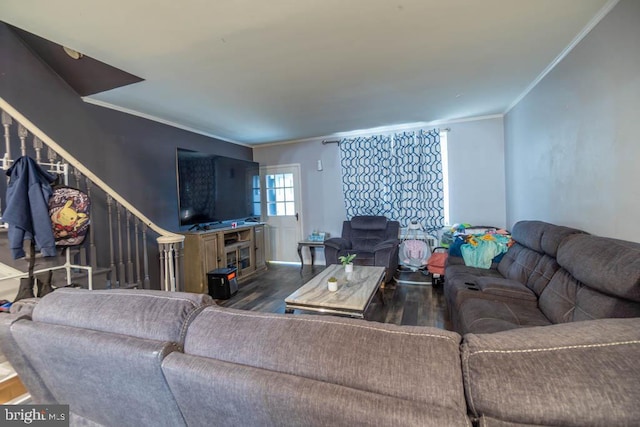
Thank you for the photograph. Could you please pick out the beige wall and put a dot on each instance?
(476, 176)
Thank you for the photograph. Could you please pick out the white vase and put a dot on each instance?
(348, 268)
(333, 286)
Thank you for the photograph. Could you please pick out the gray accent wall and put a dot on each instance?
(572, 145)
(135, 156)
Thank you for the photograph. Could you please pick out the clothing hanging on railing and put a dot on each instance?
(27, 208)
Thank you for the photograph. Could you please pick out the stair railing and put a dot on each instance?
(129, 264)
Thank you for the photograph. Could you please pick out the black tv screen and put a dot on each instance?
(214, 188)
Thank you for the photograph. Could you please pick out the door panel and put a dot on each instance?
(281, 211)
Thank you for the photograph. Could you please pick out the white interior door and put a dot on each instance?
(281, 211)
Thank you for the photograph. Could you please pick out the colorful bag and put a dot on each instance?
(69, 212)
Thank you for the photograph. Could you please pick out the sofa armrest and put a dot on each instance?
(387, 244)
(338, 243)
(578, 373)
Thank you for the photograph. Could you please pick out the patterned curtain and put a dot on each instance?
(366, 175)
(397, 176)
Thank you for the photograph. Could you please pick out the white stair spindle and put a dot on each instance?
(130, 278)
(37, 147)
(137, 238)
(113, 277)
(22, 134)
(145, 258)
(122, 278)
(6, 123)
(93, 256)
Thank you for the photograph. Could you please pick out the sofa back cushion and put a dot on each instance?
(558, 300)
(542, 274)
(416, 363)
(106, 378)
(582, 374)
(101, 351)
(154, 315)
(529, 234)
(553, 235)
(599, 278)
(212, 392)
(519, 262)
(531, 260)
(522, 257)
(610, 266)
(592, 304)
(22, 309)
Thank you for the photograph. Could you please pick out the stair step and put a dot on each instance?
(11, 387)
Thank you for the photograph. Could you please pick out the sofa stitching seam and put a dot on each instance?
(147, 296)
(567, 347)
(467, 375)
(297, 319)
(187, 323)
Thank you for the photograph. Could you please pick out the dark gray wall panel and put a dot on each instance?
(135, 156)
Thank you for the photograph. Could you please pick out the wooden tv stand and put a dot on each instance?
(241, 247)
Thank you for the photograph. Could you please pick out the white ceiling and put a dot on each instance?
(256, 71)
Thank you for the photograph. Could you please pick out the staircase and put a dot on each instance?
(121, 241)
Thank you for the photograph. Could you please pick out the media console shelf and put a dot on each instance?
(241, 247)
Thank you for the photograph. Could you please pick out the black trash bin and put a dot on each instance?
(223, 283)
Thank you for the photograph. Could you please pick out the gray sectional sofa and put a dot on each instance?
(150, 358)
(552, 274)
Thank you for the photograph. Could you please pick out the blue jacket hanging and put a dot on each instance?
(27, 207)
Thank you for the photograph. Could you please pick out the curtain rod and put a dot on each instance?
(337, 141)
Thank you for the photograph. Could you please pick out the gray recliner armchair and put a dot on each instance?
(373, 239)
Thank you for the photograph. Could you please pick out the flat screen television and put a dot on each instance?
(214, 189)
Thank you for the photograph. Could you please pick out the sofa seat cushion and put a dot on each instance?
(372, 357)
(463, 287)
(578, 374)
(365, 258)
(487, 316)
(454, 270)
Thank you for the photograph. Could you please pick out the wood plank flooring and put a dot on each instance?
(404, 304)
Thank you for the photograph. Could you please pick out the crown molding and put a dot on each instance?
(104, 104)
(407, 127)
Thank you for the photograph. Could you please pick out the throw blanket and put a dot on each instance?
(480, 250)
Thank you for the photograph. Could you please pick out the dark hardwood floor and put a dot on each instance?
(404, 304)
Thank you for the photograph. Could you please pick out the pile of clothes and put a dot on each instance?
(479, 246)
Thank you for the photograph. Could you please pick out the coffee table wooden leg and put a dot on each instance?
(300, 255)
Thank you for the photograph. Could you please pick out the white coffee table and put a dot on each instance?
(354, 294)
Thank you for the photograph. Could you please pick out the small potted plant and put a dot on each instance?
(347, 261)
(332, 284)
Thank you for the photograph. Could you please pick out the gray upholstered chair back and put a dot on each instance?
(365, 232)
